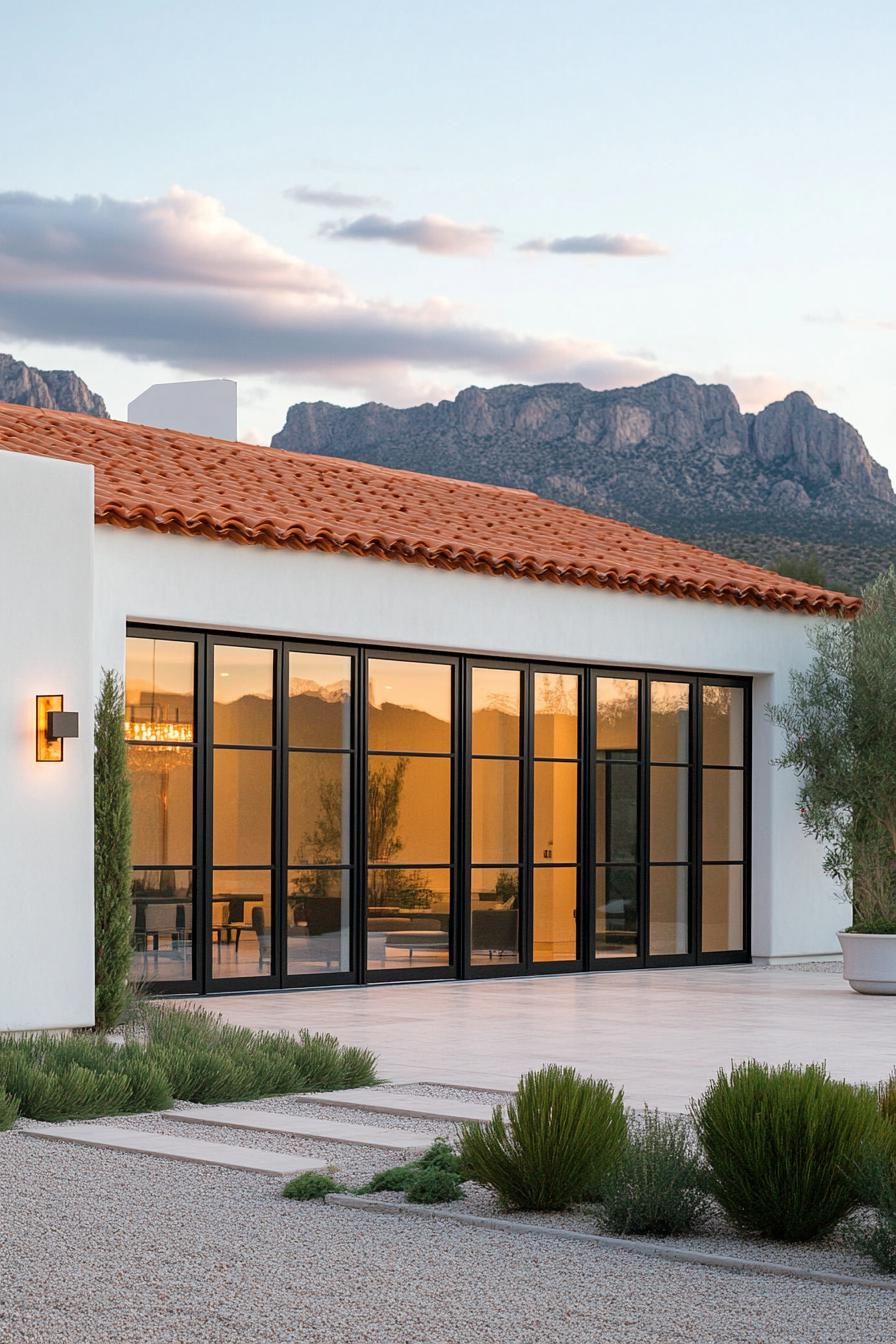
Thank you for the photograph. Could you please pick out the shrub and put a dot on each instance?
(433, 1185)
(79, 1078)
(434, 1177)
(111, 853)
(875, 1234)
(784, 1146)
(9, 1109)
(561, 1136)
(311, 1185)
(207, 1060)
(657, 1186)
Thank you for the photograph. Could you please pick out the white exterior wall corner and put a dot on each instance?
(165, 580)
(46, 809)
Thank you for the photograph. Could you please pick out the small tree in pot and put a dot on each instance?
(839, 726)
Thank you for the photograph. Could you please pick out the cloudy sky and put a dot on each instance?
(354, 201)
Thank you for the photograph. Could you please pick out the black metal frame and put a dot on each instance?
(460, 866)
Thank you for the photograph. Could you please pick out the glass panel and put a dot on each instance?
(723, 725)
(162, 925)
(617, 714)
(409, 706)
(616, 923)
(495, 812)
(723, 908)
(161, 804)
(244, 695)
(616, 820)
(496, 711)
(668, 813)
(159, 690)
(554, 898)
(409, 809)
(242, 807)
(408, 918)
(555, 831)
(241, 924)
(668, 912)
(723, 814)
(669, 720)
(556, 714)
(494, 916)
(319, 807)
(320, 700)
(317, 921)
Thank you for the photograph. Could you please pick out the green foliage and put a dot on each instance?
(9, 1109)
(887, 1100)
(433, 1185)
(207, 1060)
(657, 1187)
(784, 1147)
(79, 1078)
(111, 853)
(805, 567)
(561, 1136)
(874, 1233)
(839, 726)
(433, 1178)
(311, 1185)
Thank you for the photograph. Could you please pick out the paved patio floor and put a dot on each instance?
(660, 1034)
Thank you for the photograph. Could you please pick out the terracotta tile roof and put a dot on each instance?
(192, 486)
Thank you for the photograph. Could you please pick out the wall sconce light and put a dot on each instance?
(54, 724)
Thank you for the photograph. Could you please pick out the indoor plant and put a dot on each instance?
(839, 726)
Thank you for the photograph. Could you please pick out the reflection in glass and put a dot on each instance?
(616, 921)
(616, 794)
(241, 924)
(317, 921)
(669, 720)
(408, 918)
(617, 714)
(495, 711)
(556, 714)
(723, 908)
(668, 814)
(723, 725)
(723, 814)
(242, 807)
(319, 805)
(409, 706)
(320, 700)
(554, 899)
(668, 911)
(161, 925)
(555, 830)
(159, 690)
(409, 809)
(161, 781)
(494, 915)
(495, 811)
(244, 695)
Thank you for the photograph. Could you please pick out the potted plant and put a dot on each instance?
(839, 727)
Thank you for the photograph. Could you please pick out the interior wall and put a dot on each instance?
(46, 808)
(196, 581)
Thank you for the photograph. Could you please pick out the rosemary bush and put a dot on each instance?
(657, 1187)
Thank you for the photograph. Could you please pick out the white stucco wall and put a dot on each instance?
(46, 809)
(193, 581)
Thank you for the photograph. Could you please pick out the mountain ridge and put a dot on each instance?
(50, 389)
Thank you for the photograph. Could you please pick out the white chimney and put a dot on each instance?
(207, 406)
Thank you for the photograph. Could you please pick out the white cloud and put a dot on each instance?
(175, 280)
(597, 244)
(429, 233)
(331, 197)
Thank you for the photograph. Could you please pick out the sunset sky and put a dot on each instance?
(352, 201)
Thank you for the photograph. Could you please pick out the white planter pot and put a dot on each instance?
(869, 962)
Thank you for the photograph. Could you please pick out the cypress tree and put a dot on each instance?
(112, 853)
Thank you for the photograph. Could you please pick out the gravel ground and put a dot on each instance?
(834, 967)
(120, 1249)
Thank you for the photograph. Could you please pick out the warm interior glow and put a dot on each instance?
(48, 749)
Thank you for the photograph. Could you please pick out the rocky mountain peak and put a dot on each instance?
(52, 389)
